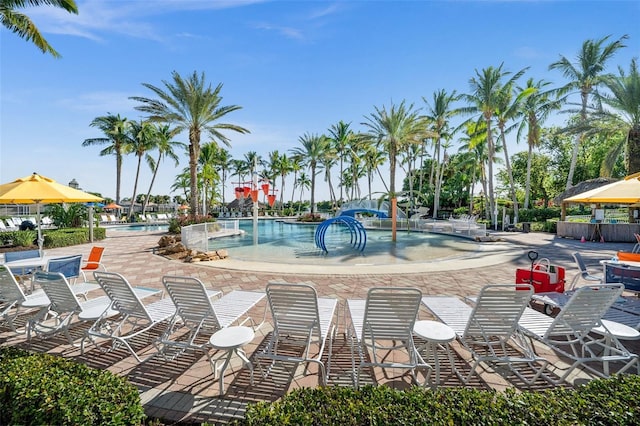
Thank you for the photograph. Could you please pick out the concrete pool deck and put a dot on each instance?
(184, 390)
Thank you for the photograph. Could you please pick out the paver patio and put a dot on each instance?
(184, 390)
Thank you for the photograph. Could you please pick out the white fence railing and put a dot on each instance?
(609, 217)
(196, 237)
(465, 228)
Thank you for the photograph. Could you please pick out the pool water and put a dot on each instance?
(280, 242)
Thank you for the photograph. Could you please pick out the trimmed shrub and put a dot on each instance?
(611, 401)
(45, 389)
(70, 236)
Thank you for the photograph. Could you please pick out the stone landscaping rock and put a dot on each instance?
(171, 248)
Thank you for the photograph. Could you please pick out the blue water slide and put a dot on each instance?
(357, 232)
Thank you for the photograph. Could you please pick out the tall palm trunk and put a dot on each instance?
(512, 187)
(153, 179)
(438, 183)
(491, 151)
(194, 154)
(118, 175)
(135, 187)
(527, 184)
(293, 190)
(313, 187)
(584, 95)
(633, 150)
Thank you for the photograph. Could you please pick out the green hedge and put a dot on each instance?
(613, 401)
(71, 236)
(53, 237)
(46, 389)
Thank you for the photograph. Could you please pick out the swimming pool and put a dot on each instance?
(282, 242)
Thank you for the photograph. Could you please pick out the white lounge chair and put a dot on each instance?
(570, 332)
(63, 307)
(489, 330)
(299, 315)
(382, 323)
(200, 315)
(135, 317)
(11, 297)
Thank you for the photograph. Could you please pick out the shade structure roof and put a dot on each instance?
(35, 189)
(625, 191)
(112, 206)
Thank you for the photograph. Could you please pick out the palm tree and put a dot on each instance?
(140, 141)
(585, 75)
(509, 110)
(535, 110)
(207, 173)
(340, 135)
(311, 153)
(294, 161)
(165, 145)
(283, 167)
(223, 163)
(394, 130)
(253, 161)
(373, 158)
(485, 99)
(194, 106)
(182, 183)
(303, 183)
(624, 99)
(439, 114)
(328, 161)
(116, 129)
(20, 23)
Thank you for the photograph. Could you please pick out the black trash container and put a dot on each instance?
(526, 227)
(27, 224)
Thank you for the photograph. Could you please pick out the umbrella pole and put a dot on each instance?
(40, 239)
(91, 224)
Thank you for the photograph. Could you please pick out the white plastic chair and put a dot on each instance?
(12, 297)
(584, 273)
(299, 315)
(489, 330)
(63, 307)
(570, 332)
(382, 323)
(200, 315)
(135, 317)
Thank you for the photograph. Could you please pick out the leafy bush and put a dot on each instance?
(53, 237)
(25, 238)
(537, 215)
(611, 401)
(70, 236)
(67, 217)
(45, 389)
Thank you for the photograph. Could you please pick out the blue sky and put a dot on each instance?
(293, 67)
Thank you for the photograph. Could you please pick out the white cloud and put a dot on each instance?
(100, 102)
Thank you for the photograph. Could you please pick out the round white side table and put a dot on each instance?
(231, 340)
(617, 330)
(437, 335)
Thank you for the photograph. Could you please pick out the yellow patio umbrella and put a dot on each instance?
(37, 189)
(625, 191)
